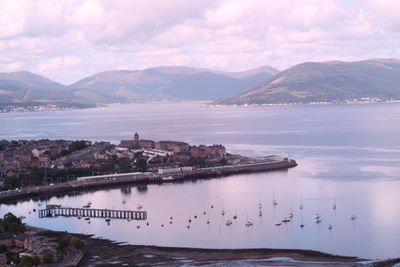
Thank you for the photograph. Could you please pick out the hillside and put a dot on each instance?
(333, 81)
(171, 83)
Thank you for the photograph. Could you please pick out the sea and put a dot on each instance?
(347, 155)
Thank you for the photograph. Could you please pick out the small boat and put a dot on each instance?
(195, 216)
(290, 215)
(249, 223)
(79, 217)
(228, 222)
(123, 201)
(316, 216)
(204, 213)
(234, 217)
(302, 225)
(88, 222)
(318, 220)
(259, 206)
(34, 210)
(162, 225)
(334, 206)
(208, 222)
(147, 224)
(330, 227)
(301, 202)
(286, 220)
(107, 219)
(189, 220)
(274, 202)
(139, 207)
(353, 217)
(188, 226)
(278, 224)
(222, 212)
(170, 218)
(170, 222)
(138, 226)
(260, 213)
(87, 218)
(128, 220)
(212, 206)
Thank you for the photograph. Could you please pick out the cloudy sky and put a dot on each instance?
(68, 40)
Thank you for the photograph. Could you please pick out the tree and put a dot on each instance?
(48, 258)
(124, 165)
(76, 242)
(197, 162)
(141, 165)
(27, 261)
(223, 162)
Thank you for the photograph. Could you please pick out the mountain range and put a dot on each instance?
(154, 84)
(333, 81)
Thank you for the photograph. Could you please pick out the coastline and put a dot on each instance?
(211, 105)
(104, 252)
(144, 178)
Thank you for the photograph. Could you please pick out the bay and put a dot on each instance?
(347, 154)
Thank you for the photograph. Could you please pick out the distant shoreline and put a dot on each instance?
(301, 104)
(204, 103)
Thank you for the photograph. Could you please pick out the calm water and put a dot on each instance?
(350, 153)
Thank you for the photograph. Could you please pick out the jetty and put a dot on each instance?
(58, 210)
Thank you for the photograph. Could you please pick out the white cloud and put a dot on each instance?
(70, 39)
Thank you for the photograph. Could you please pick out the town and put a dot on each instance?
(35, 162)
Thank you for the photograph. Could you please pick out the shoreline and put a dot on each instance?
(143, 178)
(104, 252)
(299, 104)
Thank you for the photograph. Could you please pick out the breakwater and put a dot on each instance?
(102, 181)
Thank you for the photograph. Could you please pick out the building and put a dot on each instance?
(147, 144)
(174, 146)
(203, 151)
(7, 239)
(134, 144)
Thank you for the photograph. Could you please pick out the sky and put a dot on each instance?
(66, 40)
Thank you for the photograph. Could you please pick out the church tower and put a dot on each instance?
(136, 141)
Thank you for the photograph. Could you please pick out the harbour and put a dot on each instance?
(340, 160)
(101, 181)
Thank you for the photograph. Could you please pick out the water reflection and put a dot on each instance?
(347, 155)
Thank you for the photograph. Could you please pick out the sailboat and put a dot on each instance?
(249, 223)
(317, 218)
(274, 201)
(301, 202)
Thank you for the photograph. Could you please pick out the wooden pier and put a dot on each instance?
(58, 210)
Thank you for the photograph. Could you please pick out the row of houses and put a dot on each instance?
(30, 244)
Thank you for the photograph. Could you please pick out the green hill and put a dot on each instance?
(333, 81)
